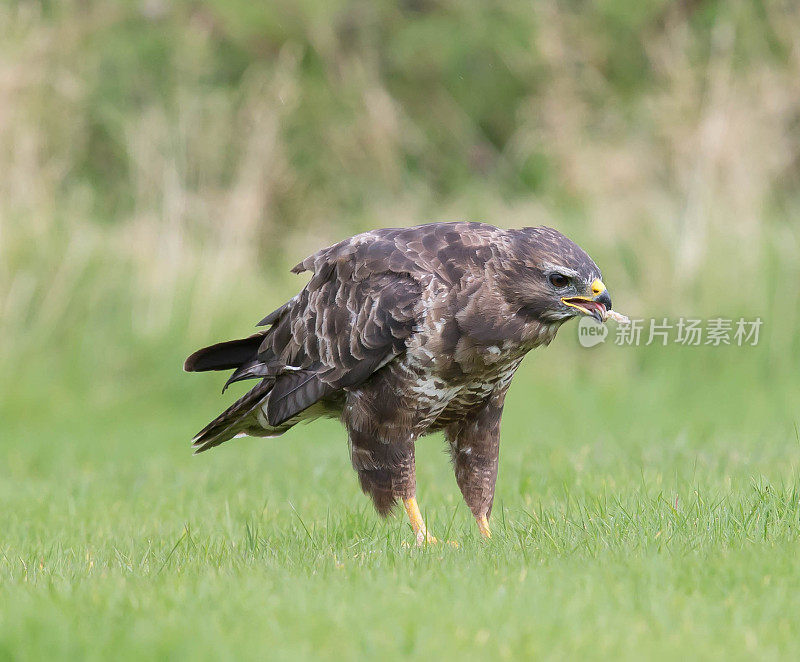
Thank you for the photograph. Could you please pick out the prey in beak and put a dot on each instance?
(596, 306)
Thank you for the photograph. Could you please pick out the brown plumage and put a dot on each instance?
(402, 332)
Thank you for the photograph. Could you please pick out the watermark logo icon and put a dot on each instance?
(591, 332)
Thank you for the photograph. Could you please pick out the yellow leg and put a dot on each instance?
(483, 526)
(417, 523)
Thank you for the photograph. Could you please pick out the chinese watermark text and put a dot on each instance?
(683, 331)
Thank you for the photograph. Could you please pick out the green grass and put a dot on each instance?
(164, 164)
(647, 506)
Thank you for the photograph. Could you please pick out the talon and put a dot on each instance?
(429, 541)
(423, 538)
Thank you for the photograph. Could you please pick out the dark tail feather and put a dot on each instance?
(251, 370)
(227, 424)
(224, 355)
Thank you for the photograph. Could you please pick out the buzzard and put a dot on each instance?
(402, 332)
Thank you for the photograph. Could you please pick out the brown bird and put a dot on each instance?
(402, 332)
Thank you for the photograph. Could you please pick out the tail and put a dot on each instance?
(284, 396)
(225, 355)
(236, 420)
(242, 357)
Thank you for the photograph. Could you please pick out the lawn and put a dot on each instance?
(647, 506)
(162, 167)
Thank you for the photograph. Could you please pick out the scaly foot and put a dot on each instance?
(418, 525)
(483, 526)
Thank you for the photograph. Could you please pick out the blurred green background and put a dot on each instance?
(163, 165)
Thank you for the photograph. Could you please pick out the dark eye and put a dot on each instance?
(559, 280)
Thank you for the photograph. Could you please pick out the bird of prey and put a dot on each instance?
(403, 332)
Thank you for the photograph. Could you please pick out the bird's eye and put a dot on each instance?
(559, 280)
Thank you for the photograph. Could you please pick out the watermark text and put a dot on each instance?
(690, 332)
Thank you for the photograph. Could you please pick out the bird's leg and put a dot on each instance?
(475, 445)
(387, 472)
(483, 526)
(417, 522)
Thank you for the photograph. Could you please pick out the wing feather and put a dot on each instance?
(353, 316)
(293, 393)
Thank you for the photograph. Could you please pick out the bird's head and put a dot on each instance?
(553, 279)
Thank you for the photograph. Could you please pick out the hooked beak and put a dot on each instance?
(596, 306)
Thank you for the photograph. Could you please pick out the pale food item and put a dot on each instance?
(619, 318)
